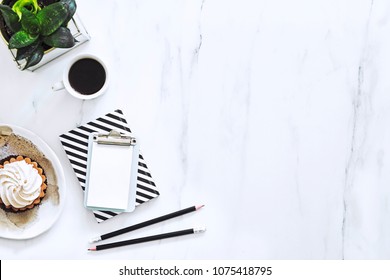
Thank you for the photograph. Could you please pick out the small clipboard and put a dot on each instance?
(111, 172)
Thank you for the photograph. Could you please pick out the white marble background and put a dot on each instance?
(275, 114)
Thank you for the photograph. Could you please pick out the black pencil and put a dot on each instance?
(146, 223)
(147, 239)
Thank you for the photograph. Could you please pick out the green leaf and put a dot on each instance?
(20, 4)
(10, 17)
(27, 51)
(52, 17)
(35, 57)
(71, 6)
(62, 38)
(21, 39)
(30, 22)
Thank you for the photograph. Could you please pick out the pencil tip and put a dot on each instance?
(200, 206)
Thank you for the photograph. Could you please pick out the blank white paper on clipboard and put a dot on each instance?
(111, 172)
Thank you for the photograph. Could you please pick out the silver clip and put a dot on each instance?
(115, 138)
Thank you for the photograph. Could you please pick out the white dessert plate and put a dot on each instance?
(47, 212)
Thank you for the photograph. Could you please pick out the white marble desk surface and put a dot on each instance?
(275, 114)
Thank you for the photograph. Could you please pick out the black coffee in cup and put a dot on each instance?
(87, 76)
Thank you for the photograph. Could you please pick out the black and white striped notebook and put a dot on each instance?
(75, 144)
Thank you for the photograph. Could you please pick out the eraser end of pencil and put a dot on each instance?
(199, 229)
(95, 239)
(92, 249)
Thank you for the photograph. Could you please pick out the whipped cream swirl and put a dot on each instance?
(20, 184)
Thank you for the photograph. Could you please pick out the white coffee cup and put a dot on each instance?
(85, 77)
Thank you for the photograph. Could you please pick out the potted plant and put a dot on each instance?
(33, 28)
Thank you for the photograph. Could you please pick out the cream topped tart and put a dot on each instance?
(22, 184)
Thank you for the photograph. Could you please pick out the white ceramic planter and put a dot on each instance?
(79, 33)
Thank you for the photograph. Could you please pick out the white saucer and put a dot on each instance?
(48, 212)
